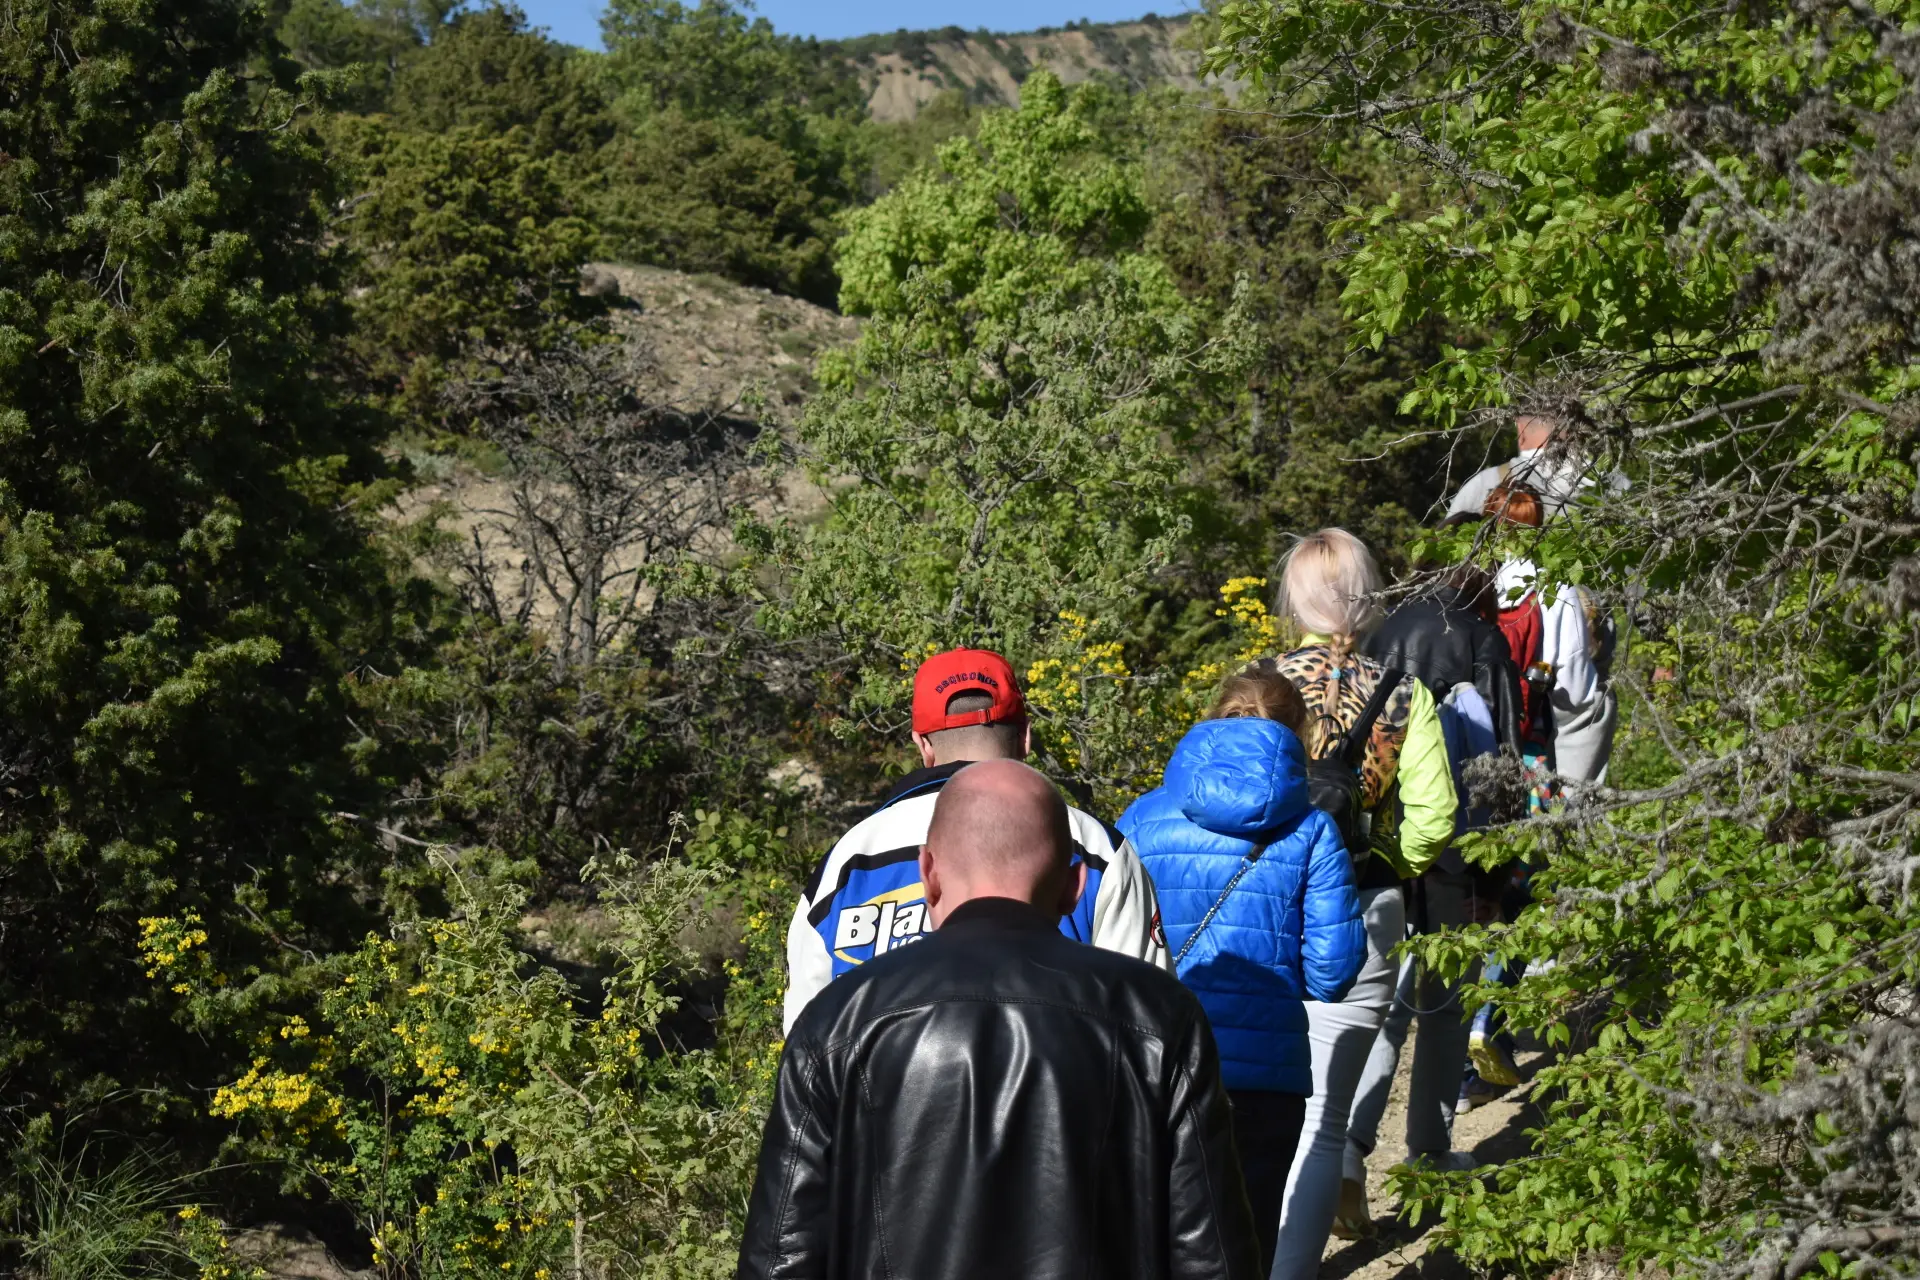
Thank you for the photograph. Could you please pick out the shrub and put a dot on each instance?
(482, 1112)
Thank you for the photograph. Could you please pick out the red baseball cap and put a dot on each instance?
(964, 671)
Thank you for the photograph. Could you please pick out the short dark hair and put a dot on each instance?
(1002, 740)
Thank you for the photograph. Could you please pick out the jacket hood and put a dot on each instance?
(1241, 777)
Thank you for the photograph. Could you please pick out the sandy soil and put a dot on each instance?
(1495, 1132)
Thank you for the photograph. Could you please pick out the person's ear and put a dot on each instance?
(1026, 740)
(1072, 886)
(925, 744)
(930, 886)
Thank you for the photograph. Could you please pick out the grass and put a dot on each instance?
(119, 1221)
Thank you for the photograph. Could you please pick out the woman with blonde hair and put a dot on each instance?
(1331, 591)
(1257, 899)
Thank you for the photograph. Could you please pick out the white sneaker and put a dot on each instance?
(1353, 1164)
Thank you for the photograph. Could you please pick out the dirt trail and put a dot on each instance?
(1495, 1132)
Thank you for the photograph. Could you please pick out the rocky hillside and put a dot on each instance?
(709, 349)
(722, 348)
(909, 68)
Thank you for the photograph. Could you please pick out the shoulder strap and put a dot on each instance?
(1246, 865)
(1354, 749)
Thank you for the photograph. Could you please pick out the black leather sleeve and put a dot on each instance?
(787, 1216)
(1498, 681)
(1210, 1235)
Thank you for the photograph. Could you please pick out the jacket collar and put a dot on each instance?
(921, 782)
(1004, 913)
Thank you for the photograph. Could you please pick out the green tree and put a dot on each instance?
(739, 146)
(999, 451)
(1039, 199)
(468, 254)
(712, 62)
(486, 71)
(1019, 494)
(1687, 233)
(705, 195)
(188, 593)
(1311, 438)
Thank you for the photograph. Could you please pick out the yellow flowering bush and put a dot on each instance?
(1252, 630)
(483, 1115)
(294, 1096)
(1098, 721)
(177, 946)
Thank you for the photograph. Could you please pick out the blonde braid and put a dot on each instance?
(1325, 724)
(1339, 650)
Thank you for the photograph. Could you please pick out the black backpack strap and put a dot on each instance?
(1354, 750)
(1246, 865)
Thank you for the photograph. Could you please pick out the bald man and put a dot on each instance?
(1000, 1100)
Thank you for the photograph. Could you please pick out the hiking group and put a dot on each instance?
(1197, 1092)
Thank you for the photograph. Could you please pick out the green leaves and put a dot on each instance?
(1643, 213)
(738, 147)
(995, 450)
(707, 195)
(1035, 203)
(485, 70)
(187, 583)
(975, 498)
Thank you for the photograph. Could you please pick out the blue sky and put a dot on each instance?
(578, 21)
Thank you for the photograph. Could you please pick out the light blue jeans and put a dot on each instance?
(1339, 1036)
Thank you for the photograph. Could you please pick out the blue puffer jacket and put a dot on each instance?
(1290, 930)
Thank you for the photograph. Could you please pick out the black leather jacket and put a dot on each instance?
(1443, 642)
(999, 1101)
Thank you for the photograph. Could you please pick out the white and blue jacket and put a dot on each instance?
(1290, 931)
(865, 897)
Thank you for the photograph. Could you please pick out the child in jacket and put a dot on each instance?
(1289, 930)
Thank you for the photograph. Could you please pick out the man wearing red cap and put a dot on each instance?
(865, 898)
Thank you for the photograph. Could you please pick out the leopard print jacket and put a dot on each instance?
(1334, 705)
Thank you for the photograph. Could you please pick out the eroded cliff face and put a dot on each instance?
(717, 358)
(990, 68)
